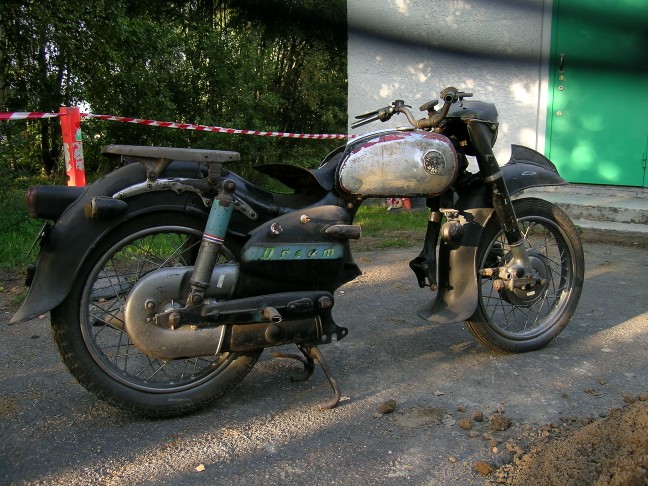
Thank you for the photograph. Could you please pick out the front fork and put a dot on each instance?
(518, 271)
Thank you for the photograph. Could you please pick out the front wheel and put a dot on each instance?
(505, 320)
(88, 325)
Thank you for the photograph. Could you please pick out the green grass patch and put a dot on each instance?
(382, 229)
(377, 221)
(19, 231)
(14, 254)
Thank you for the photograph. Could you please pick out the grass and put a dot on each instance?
(16, 244)
(18, 233)
(383, 229)
(376, 220)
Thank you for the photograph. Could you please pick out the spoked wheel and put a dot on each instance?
(522, 320)
(89, 325)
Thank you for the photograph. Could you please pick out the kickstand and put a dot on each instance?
(316, 355)
(312, 354)
(306, 360)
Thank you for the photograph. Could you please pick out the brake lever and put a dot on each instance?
(398, 104)
(366, 115)
(365, 121)
(383, 114)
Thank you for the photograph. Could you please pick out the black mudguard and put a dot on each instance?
(528, 168)
(457, 295)
(456, 298)
(74, 236)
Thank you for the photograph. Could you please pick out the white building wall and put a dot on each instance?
(410, 49)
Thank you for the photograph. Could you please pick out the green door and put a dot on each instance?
(597, 120)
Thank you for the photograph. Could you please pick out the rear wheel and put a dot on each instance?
(518, 321)
(89, 330)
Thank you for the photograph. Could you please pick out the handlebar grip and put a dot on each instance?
(366, 115)
(383, 114)
(452, 95)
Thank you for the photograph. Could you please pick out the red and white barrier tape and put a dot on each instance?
(181, 126)
(26, 115)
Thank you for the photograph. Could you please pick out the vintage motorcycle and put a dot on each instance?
(168, 277)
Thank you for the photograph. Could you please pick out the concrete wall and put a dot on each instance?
(410, 49)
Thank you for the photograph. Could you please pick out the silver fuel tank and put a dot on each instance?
(396, 163)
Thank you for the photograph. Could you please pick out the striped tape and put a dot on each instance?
(6, 116)
(26, 115)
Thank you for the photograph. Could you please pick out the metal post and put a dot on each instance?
(72, 145)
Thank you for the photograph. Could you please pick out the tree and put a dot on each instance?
(271, 65)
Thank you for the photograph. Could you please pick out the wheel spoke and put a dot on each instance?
(122, 268)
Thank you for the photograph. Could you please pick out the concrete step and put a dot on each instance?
(611, 214)
(612, 232)
(603, 213)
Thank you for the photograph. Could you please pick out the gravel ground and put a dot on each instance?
(423, 404)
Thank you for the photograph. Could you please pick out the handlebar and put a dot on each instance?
(449, 96)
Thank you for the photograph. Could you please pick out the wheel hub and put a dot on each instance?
(529, 296)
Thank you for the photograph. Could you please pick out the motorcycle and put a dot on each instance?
(167, 278)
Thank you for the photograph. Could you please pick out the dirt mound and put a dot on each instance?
(608, 451)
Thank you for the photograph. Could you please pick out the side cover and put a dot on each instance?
(299, 247)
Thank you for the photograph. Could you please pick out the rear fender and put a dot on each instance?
(74, 236)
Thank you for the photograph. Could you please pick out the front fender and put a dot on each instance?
(528, 168)
(73, 237)
(456, 298)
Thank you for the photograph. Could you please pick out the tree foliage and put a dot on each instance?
(275, 65)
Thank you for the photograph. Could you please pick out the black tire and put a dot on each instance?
(88, 325)
(513, 322)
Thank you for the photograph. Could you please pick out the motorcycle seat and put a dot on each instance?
(303, 180)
